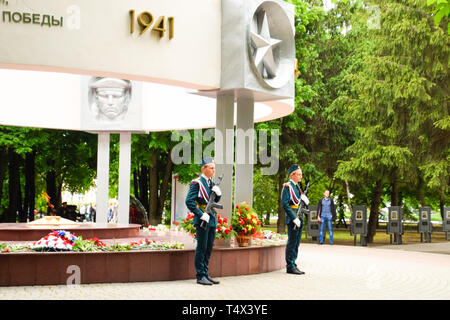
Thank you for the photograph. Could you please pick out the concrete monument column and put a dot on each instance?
(243, 189)
(224, 149)
(124, 177)
(102, 177)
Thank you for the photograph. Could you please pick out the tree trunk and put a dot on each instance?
(153, 188)
(50, 179)
(421, 191)
(281, 222)
(165, 185)
(3, 166)
(15, 194)
(394, 189)
(136, 183)
(374, 209)
(267, 219)
(143, 187)
(30, 190)
(349, 200)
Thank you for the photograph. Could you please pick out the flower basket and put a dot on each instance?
(242, 240)
(245, 223)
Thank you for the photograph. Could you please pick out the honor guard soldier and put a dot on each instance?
(196, 201)
(291, 197)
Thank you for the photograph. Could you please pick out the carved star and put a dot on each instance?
(264, 44)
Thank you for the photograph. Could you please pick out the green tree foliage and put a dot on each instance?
(441, 11)
(399, 103)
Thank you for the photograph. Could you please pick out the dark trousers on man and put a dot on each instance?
(294, 237)
(205, 241)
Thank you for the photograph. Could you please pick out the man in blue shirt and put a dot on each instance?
(326, 212)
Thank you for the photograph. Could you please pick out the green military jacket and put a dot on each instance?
(197, 199)
(290, 196)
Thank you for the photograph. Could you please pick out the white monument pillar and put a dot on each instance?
(124, 177)
(179, 191)
(224, 150)
(243, 189)
(102, 177)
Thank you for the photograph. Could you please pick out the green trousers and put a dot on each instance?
(205, 241)
(294, 237)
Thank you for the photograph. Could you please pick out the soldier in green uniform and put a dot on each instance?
(291, 196)
(196, 201)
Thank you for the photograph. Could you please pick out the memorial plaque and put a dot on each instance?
(394, 215)
(424, 215)
(313, 223)
(425, 226)
(359, 215)
(446, 222)
(395, 224)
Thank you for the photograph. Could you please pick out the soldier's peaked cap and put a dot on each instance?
(207, 160)
(293, 168)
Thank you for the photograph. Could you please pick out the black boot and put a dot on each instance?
(212, 280)
(204, 281)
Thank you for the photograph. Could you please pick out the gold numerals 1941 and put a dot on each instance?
(145, 21)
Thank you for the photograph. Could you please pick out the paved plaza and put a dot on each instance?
(332, 272)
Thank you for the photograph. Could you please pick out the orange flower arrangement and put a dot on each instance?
(245, 220)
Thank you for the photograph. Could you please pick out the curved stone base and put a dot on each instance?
(26, 232)
(52, 268)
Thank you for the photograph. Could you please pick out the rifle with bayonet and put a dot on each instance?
(212, 204)
(303, 207)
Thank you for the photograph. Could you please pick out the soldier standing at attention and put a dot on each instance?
(291, 196)
(196, 201)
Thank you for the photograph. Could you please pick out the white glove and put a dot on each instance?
(205, 217)
(216, 189)
(297, 222)
(305, 199)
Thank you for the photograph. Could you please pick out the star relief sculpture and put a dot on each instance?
(263, 45)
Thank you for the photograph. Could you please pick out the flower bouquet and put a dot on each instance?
(146, 244)
(224, 230)
(188, 224)
(245, 223)
(59, 240)
(88, 245)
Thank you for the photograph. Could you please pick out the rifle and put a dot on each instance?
(302, 208)
(212, 204)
